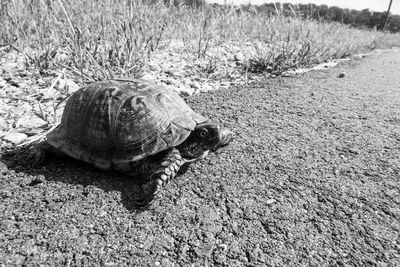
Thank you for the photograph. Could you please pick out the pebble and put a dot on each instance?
(32, 122)
(223, 247)
(3, 82)
(194, 85)
(41, 82)
(15, 138)
(40, 178)
(67, 85)
(37, 180)
(3, 124)
(342, 74)
(3, 167)
(7, 194)
(62, 57)
(186, 92)
(270, 201)
(12, 82)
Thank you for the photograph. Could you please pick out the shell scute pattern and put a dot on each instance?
(138, 103)
(112, 122)
(139, 124)
(98, 117)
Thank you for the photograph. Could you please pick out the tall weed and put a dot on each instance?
(103, 39)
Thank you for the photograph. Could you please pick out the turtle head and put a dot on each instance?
(205, 137)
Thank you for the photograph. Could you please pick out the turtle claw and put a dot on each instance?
(150, 191)
(38, 156)
(38, 159)
(169, 166)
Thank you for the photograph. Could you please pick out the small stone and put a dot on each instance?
(12, 82)
(223, 247)
(40, 178)
(62, 56)
(50, 93)
(342, 74)
(3, 82)
(32, 122)
(186, 93)
(270, 201)
(3, 124)
(103, 214)
(41, 82)
(169, 72)
(15, 138)
(37, 180)
(6, 194)
(167, 81)
(67, 85)
(3, 167)
(195, 85)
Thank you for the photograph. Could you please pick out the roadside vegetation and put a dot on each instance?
(96, 40)
(356, 18)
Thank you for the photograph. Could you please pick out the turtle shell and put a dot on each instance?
(118, 121)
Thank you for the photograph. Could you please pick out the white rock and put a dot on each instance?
(224, 247)
(3, 82)
(185, 92)
(50, 93)
(15, 138)
(195, 85)
(41, 82)
(62, 57)
(32, 122)
(3, 124)
(66, 85)
(3, 167)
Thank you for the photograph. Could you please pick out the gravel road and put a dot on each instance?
(311, 179)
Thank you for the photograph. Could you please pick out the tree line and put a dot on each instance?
(356, 18)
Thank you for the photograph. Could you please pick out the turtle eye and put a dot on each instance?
(203, 133)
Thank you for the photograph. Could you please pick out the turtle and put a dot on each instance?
(135, 127)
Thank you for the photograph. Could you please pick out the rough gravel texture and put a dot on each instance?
(311, 179)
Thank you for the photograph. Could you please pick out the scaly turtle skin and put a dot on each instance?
(134, 127)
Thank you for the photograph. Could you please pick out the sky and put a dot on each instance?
(373, 5)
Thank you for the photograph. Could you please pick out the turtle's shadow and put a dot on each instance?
(70, 171)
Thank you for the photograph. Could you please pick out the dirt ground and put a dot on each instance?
(311, 179)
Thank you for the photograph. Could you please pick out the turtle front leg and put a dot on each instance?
(40, 153)
(169, 166)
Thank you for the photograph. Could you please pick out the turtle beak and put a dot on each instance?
(225, 137)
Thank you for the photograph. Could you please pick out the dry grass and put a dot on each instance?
(101, 39)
